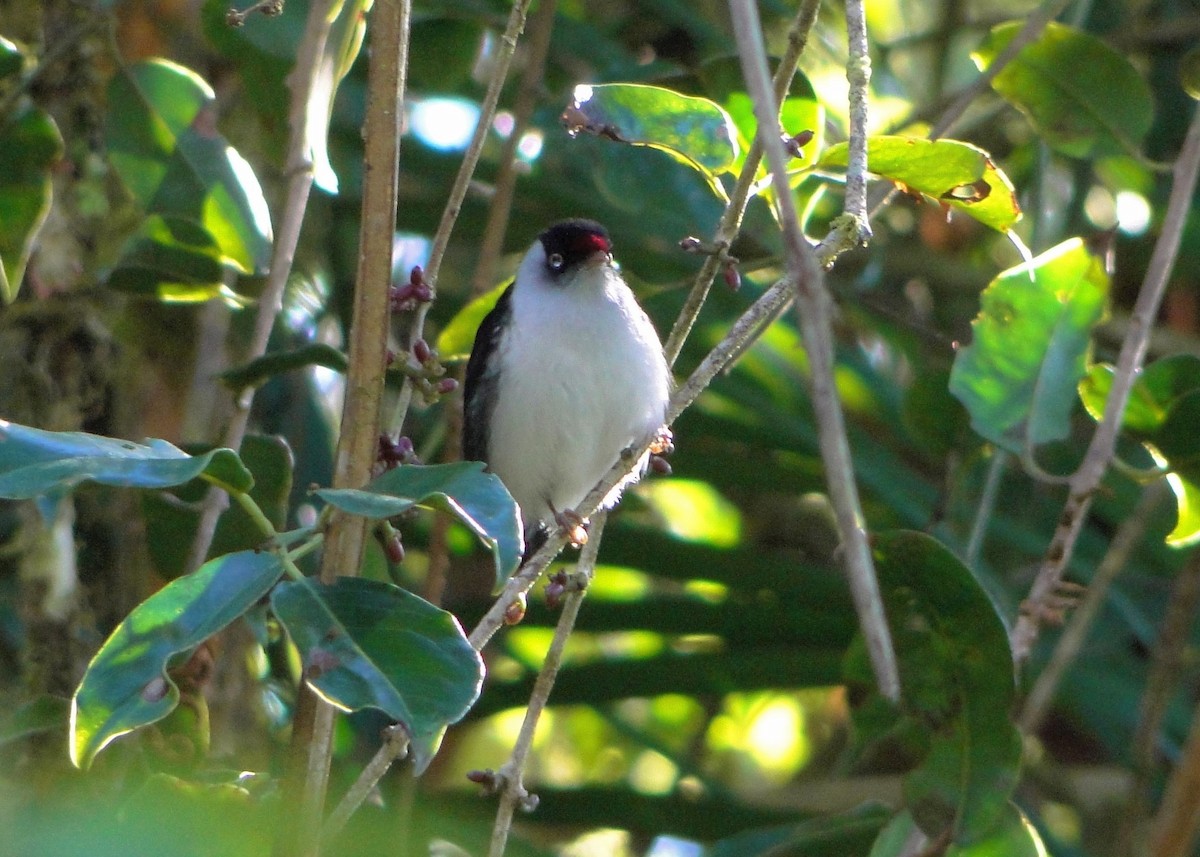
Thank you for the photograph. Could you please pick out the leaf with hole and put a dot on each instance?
(1084, 98)
(127, 684)
(1030, 346)
(956, 174)
(478, 499)
(368, 644)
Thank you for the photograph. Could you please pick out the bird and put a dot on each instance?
(566, 372)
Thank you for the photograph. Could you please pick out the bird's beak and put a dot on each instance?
(599, 258)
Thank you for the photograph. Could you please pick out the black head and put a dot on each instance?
(571, 243)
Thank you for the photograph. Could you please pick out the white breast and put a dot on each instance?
(582, 376)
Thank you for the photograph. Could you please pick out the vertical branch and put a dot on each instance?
(858, 74)
(1178, 820)
(441, 238)
(308, 768)
(814, 306)
(1087, 478)
(300, 178)
(509, 777)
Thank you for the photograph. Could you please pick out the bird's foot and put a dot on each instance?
(574, 526)
(663, 443)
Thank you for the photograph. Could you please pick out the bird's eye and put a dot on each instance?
(555, 261)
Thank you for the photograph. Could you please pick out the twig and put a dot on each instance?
(510, 775)
(541, 25)
(441, 238)
(1163, 678)
(1070, 643)
(1087, 478)
(814, 307)
(987, 504)
(858, 73)
(731, 218)
(291, 217)
(395, 746)
(312, 733)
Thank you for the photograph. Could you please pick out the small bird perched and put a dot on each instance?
(566, 372)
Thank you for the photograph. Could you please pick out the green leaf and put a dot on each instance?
(1014, 837)
(1018, 377)
(172, 258)
(43, 714)
(954, 173)
(162, 140)
(368, 644)
(31, 145)
(35, 462)
(458, 337)
(1162, 413)
(1083, 97)
(126, 685)
(172, 516)
(463, 489)
(833, 835)
(259, 371)
(1189, 73)
(12, 61)
(956, 673)
(694, 130)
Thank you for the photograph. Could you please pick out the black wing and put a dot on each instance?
(483, 379)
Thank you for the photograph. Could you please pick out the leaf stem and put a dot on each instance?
(1087, 478)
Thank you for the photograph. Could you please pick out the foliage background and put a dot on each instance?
(704, 693)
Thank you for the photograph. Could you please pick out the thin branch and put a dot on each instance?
(395, 746)
(1087, 478)
(731, 219)
(1127, 537)
(858, 73)
(312, 733)
(541, 25)
(510, 775)
(458, 192)
(1162, 681)
(290, 218)
(815, 311)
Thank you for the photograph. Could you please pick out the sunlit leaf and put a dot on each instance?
(1155, 391)
(12, 61)
(1083, 97)
(1189, 73)
(35, 462)
(1031, 340)
(162, 139)
(368, 644)
(953, 173)
(172, 258)
(126, 684)
(457, 338)
(463, 489)
(695, 130)
(30, 144)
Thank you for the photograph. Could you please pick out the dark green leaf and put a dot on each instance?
(11, 59)
(954, 173)
(368, 644)
(956, 673)
(259, 371)
(172, 516)
(1189, 73)
(126, 684)
(695, 130)
(1015, 837)
(463, 489)
(835, 835)
(35, 462)
(1084, 98)
(1019, 375)
(449, 48)
(162, 139)
(31, 145)
(43, 714)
